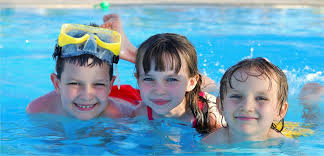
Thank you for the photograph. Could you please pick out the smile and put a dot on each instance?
(246, 118)
(160, 102)
(85, 107)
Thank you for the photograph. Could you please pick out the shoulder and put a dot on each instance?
(273, 134)
(46, 103)
(218, 137)
(118, 108)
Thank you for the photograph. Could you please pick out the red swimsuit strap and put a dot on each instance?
(201, 107)
(149, 113)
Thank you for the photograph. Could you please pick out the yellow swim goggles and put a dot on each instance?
(77, 39)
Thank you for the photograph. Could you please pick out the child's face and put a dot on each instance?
(164, 91)
(251, 105)
(84, 90)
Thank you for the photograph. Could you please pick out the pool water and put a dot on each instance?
(292, 38)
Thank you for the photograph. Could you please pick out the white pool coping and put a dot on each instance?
(92, 3)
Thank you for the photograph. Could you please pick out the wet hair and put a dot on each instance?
(81, 60)
(263, 67)
(166, 51)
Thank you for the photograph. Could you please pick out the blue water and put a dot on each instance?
(293, 39)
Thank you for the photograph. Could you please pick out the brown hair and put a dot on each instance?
(173, 46)
(263, 67)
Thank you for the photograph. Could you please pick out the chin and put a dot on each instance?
(161, 112)
(85, 117)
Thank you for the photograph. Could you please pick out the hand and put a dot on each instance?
(127, 49)
(311, 94)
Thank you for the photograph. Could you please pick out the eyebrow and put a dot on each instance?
(99, 80)
(173, 74)
(238, 91)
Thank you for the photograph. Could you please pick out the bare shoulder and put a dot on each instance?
(218, 137)
(141, 109)
(46, 103)
(273, 134)
(119, 108)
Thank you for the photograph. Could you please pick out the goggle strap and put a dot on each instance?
(117, 77)
(115, 59)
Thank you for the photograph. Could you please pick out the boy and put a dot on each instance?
(84, 65)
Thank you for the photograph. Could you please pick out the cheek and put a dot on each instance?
(269, 109)
(233, 101)
(178, 92)
(230, 105)
(144, 87)
(69, 91)
(102, 92)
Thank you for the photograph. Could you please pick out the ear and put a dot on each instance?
(283, 111)
(136, 76)
(56, 83)
(192, 83)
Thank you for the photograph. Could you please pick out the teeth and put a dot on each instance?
(89, 106)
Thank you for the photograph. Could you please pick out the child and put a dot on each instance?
(169, 81)
(84, 65)
(253, 96)
(168, 78)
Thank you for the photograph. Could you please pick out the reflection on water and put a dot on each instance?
(50, 134)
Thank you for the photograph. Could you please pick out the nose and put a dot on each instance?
(159, 88)
(248, 104)
(88, 92)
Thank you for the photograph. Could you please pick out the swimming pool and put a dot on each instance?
(292, 38)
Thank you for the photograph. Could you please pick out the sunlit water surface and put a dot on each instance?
(290, 38)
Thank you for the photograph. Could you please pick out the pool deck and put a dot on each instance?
(91, 3)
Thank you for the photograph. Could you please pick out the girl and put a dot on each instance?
(253, 96)
(170, 83)
(168, 78)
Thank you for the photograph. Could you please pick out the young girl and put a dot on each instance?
(168, 79)
(170, 83)
(253, 97)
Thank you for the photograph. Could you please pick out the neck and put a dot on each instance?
(235, 137)
(180, 112)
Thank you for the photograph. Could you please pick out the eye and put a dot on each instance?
(74, 84)
(261, 98)
(100, 84)
(147, 79)
(171, 79)
(235, 96)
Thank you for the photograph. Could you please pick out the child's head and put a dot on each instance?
(167, 74)
(253, 96)
(84, 66)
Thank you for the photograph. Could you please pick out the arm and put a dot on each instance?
(127, 50)
(208, 85)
